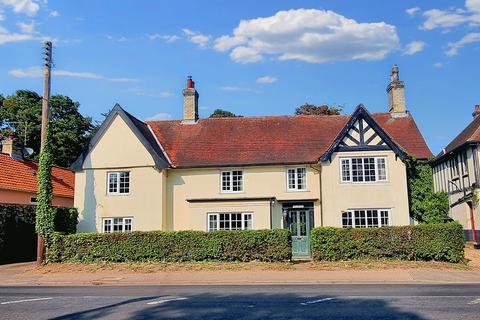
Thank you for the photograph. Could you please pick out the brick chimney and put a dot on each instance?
(396, 94)
(9, 146)
(476, 111)
(190, 103)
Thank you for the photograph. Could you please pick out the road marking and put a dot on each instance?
(476, 301)
(316, 301)
(167, 300)
(25, 300)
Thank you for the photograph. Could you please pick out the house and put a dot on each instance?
(18, 179)
(292, 172)
(456, 172)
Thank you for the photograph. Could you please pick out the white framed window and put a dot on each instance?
(296, 179)
(363, 169)
(366, 218)
(230, 221)
(231, 181)
(118, 224)
(118, 183)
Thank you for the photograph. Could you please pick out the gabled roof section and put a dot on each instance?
(362, 133)
(471, 134)
(21, 175)
(276, 140)
(139, 128)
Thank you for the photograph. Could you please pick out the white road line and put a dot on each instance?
(316, 301)
(476, 301)
(167, 300)
(25, 300)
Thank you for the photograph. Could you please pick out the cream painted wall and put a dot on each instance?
(19, 197)
(338, 196)
(268, 181)
(119, 150)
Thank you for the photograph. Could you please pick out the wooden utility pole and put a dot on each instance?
(45, 118)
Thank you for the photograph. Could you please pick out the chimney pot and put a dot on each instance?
(190, 83)
(476, 110)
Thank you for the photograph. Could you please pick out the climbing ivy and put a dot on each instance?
(426, 206)
(45, 213)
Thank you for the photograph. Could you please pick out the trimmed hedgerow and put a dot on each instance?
(241, 245)
(441, 242)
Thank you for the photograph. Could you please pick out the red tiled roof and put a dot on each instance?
(270, 140)
(21, 176)
(470, 134)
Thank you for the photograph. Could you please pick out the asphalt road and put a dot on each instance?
(336, 301)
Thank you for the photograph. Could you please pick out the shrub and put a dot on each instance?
(66, 220)
(241, 245)
(441, 242)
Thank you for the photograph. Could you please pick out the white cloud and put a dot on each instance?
(117, 39)
(412, 11)
(36, 72)
(142, 92)
(309, 35)
(438, 65)
(233, 88)
(267, 79)
(160, 116)
(54, 13)
(452, 17)
(199, 39)
(165, 37)
(27, 27)
(414, 47)
(6, 36)
(28, 7)
(453, 47)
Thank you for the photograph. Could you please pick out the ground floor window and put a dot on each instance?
(119, 224)
(229, 221)
(366, 218)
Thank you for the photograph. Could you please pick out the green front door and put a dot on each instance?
(300, 228)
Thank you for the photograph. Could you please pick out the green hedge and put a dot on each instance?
(242, 245)
(441, 242)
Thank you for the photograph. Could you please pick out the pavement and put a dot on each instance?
(27, 274)
(306, 301)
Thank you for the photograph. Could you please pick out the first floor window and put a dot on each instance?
(117, 224)
(296, 179)
(232, 181)
(363, 169)
(366, 218)
(119, 182)
(229, 221)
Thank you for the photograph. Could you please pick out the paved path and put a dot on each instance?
(25, 274)
(339, 301)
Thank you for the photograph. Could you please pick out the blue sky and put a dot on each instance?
(250, 57)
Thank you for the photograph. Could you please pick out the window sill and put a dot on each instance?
(294, 191)
(118, 194)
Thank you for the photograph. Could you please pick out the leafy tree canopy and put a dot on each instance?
(220, 113)
(311, 109)
(426, 206)
(70, 131)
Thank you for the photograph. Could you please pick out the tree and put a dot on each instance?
(426, 206)
(311, 109)
(220, 113)
(70, 131)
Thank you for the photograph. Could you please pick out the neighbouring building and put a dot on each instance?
(18, 178)
(456, 172)
(292, 172)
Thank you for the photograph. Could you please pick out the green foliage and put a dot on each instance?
(426, 206)
(441, 242)
(240, 245)
(66, 220)
(311, 109)
(70, 130)
(45, 220)
(220, 113)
